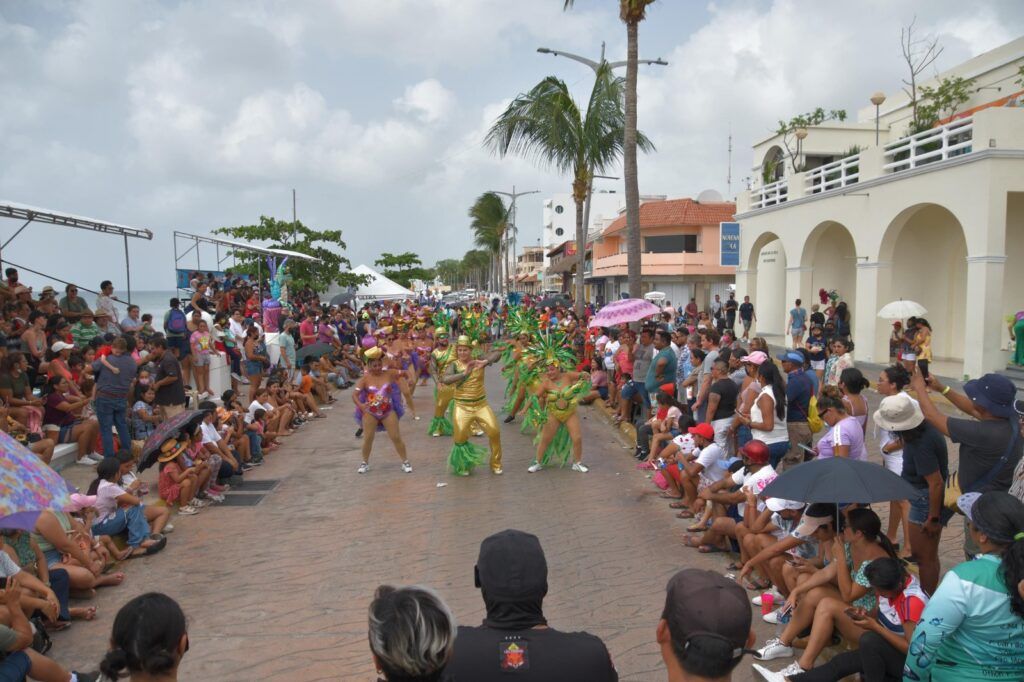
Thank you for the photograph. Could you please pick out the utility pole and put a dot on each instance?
(728, 178)
(295, 221)
(595, 66)
(511, 233)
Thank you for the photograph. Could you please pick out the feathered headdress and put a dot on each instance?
(440, 319)
(373, 353)
(522, 321)
(550, 349)
(474, 325)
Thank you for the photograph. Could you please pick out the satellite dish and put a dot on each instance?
(709, 196)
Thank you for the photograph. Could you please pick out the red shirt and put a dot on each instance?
(307, 330)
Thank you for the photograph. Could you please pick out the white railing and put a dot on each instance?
(845, 171)
(928, 146)
(769, 195)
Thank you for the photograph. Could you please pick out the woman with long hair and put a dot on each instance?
(851, 384)
(845, 435)
(767, 418)
(923, 344)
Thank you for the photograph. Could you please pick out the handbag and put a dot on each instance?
(953, 490)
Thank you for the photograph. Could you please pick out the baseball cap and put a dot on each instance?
(58, 346)
(792, 356)
(756, 358)
(511, 567)
(815, 516)
(777, 504)
(705, 431)
(708, 617)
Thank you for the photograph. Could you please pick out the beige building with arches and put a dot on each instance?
(936, 217)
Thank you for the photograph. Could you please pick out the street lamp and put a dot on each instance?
(877, 100)
(800, 133)
(512, 211)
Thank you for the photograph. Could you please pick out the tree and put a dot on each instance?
(294, 236)
(787, 130)
(632, 12)
(943, 100)
(919, 54)
(450, 271)
(403, 268)
(489, 222)
(547, 126)
(475, 265)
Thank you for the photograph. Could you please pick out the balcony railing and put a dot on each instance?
(845, 171)
(769, 195)
(929, 146)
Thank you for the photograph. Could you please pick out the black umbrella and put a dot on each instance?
(183, 422)
(314, 350)
(840, 480)
(343, 298)
(554, 301)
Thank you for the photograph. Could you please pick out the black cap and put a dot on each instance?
(511, 566)
(702, 605)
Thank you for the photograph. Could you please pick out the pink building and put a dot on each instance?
(680, 252)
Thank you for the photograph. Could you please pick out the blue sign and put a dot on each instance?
(730, 244)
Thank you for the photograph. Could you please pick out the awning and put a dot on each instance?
(10, 209)
(245, 246)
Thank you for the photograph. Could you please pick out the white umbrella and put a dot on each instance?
(655, 295)
(901, 310)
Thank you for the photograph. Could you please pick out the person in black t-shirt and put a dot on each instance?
(514, 641)
(731, 306)
(722, 400)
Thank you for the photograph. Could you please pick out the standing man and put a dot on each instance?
(798, 323)
(307, 330)
(663, 368)
(105, 308)
(730, 313)
(691, 311)
(170, 389)
(722, 398)
(636, 389)
(709, 343)
(716, 313)
(747, 316)
(799, 390)
(111, 403)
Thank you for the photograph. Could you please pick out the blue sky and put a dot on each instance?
(193, 115)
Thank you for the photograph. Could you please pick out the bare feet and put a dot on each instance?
(82, 612)
(111, 579)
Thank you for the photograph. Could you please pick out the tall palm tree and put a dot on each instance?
(546, 125)
(489, 222)
(632, 12)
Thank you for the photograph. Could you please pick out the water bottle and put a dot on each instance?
(782, 621)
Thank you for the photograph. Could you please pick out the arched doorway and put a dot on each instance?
(832, 255)
(766, 262)
(1013, 274)
(928, 254)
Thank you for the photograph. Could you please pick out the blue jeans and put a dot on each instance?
(14, 667)
(132, 519)
(255, 445)
(743, 435)
(113, 412)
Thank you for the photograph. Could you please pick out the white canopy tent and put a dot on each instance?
(380, 288)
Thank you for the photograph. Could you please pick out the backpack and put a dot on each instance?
(176, 322)
(814, 422)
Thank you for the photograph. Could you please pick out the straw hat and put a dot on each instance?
(170, 449)
(898, 412)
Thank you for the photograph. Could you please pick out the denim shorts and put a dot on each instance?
(181, 343)
(15, 666)
(633, 388)
(603, 392)
(919, 510)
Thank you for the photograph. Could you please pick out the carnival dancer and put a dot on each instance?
(558, 397)
(467, 376)
(442, 356)
(378, 402)
(423, 342)
(396, 358)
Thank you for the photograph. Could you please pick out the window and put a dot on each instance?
(675, 243)
(559, 209)
(559, 231)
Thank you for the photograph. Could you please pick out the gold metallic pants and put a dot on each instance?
(445, 394)
(480, 412)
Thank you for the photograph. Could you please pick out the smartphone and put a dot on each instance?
(808, 450)
(4, 581)
(924, 370)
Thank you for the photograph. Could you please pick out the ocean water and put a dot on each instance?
(152, 302)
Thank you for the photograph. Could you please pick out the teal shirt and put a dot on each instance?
(287, 347)
(968, 632)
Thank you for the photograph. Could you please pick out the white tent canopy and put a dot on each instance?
(380, 287)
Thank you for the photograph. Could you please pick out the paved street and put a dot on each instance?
(279, 591)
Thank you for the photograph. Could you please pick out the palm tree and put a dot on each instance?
(474, 266)
(546, 125)
(489, 224)
(632, 12)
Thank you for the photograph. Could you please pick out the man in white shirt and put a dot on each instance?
(215, 443)
(705, 469)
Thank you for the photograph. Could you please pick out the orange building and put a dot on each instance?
(680, 252)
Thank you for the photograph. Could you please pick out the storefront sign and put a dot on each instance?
(730, 244)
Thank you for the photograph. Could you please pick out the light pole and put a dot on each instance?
(513, 195)
(586, 219)
(877, 99)
(595, 66)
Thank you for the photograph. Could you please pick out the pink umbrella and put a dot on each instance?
(624, 311)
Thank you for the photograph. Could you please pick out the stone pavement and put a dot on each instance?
(280, 591)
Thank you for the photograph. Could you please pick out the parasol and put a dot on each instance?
(623, 312)
(27, 486)
(901, 310)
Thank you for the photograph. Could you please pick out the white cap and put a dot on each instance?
(777, 504)
(58, 346)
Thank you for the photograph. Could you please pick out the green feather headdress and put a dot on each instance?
(550, 349)
(522, 321)
(440, 319)
(474, 326)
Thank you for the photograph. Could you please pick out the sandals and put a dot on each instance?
(685, 514)
(757, 585)
(678, 505)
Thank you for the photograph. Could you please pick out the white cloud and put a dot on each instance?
(428, 100)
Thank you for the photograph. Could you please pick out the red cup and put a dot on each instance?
(767, 603)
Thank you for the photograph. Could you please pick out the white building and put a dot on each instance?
(559, 222)
(936, 217)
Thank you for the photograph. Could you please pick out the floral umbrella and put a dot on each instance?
(183, 422)
(27, 486)
(624, 311)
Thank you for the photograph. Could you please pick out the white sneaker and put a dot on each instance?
(86, 461)
(168, 528)
(772, 649)
(780, 676)
(188, 510)
(756, 601)
(406, 467)
(244, 380)
(772, 618)
(580, 467)
(363, 468)
(535, 467)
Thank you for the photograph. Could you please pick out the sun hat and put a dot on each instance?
(756, 358)
(756, 451)
(993, 392)
(777, 504)
(898, 412)
(705, 431)
(988, 511)
(170, 449)
(48, 291)
(58, 346)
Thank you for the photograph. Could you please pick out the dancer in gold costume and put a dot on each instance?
(442, 356)
(467, 376)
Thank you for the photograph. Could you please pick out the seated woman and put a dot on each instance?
(62, 422)
(120, 511)
(144, 415)
(822, 599)
(68, 545)
(178, 484)
(281, 413)
(412, 634)
(16, 391)
(148, 641)
(598, 382)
